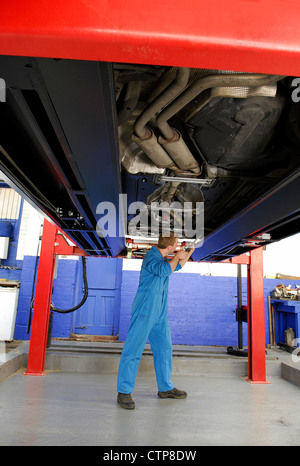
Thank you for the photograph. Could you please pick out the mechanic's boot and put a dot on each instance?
(175, 393)
(125, 401)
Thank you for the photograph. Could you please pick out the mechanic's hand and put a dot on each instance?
(181, 255)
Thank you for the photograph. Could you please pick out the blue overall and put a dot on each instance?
(149, 319)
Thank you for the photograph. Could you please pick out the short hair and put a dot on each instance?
(165, 241)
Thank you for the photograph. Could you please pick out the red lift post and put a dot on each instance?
(256, 319)
(53, 244)
(256, 315)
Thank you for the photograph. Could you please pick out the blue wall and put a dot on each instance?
(11, 268)
(201, 308)
(25, 296)
(67, 292)
(65, 295)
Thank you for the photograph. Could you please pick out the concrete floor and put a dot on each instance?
(80, 409)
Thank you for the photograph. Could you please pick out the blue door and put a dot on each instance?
(100, 314)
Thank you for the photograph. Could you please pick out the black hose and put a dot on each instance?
(86, 292)
(33, 286)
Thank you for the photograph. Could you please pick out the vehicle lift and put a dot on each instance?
(54, 243)
(259, 37)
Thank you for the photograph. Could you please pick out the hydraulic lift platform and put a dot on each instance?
(256, 37)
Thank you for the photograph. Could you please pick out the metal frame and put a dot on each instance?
(252, 36)
(54, 243)
(71, 140)
(260, 37)
(277, 209)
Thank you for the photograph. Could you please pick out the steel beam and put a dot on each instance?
(63, 114)
(245, 36)
(41, 310)
(277, 209)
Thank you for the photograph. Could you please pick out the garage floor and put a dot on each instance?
(75, 408)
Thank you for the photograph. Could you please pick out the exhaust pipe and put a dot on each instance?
(154, 151)
(204, 83)
(145, 138)
(167, 96)
(180, 153)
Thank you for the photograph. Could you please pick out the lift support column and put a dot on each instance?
(42, 302)
(256, 314)
(53, 244)
(256, 319)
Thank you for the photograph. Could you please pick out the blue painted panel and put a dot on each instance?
(287, 315)
(11, 267)
(100, 313)
(6, 228)
(96, 316)
(25, 296)
(103, 273)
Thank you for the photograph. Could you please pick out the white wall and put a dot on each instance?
(191, 267)
(283, 257)
(30, 230)
(9, 204)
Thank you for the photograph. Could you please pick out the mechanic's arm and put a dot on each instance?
(178, 258)
(187, 256)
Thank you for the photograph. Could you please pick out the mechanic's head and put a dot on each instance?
(168, 242)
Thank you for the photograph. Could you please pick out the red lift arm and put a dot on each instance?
(255, 36)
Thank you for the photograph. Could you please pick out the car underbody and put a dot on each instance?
(75, 134)
(203, 136)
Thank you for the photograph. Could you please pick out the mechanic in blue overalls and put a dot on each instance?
(149, 319)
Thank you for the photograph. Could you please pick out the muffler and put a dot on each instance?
(154, 151)
(180, 153)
